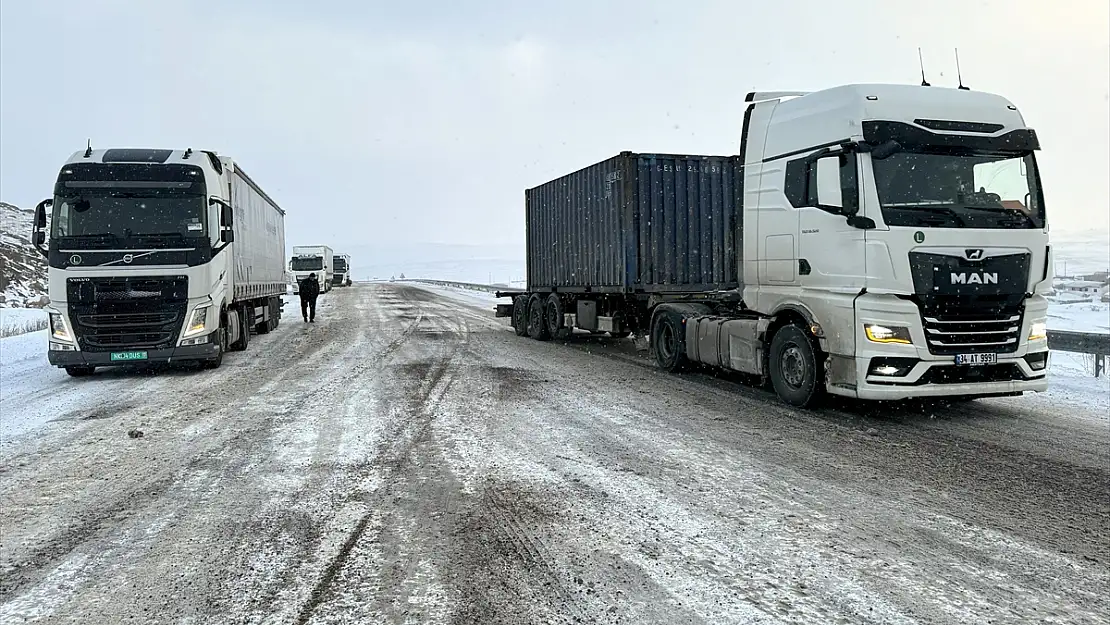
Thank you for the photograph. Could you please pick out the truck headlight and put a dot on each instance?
(59, 329)
(197, 320)
(887, 334)
(1038, 330)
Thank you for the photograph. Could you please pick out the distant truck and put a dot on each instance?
(870, 241)
(341, 265)
(158, 256)
(312, 259)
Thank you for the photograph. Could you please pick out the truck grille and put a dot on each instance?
(971, 326)
(116, 313)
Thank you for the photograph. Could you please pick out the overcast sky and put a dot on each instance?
(425, 121)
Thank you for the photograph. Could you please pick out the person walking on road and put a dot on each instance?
(310, 290)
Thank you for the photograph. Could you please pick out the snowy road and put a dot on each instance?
(409, 460)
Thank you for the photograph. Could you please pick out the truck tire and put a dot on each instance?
(264, 327)
(520, 315)
(795, 367)
(221, 342)
(244, 332)
(537, 321)
(668, 341)
(80, 371)
(553, 311)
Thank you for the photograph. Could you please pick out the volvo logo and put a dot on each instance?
(973, 254)
(75, 259)
(127, 258)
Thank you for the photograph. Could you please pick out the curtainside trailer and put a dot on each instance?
(158, 256)
(869, 241)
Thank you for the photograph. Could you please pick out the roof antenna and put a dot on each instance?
(88, 149)
(958, 75)
(921, 62)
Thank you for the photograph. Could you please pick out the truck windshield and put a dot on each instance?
(339, 264)
(122, 217)
(948, 190)
(307, 263)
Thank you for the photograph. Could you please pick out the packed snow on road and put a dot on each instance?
(407, 459)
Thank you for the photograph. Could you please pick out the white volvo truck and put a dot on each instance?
(158, 256)
(870, 241)
(341, 263)
(312, 259)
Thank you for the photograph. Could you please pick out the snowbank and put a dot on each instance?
(15, 321)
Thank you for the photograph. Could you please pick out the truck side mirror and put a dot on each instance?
(38, 237)
(827, 180)
(227, 216)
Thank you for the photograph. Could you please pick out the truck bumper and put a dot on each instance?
(894, 371)
(189, 353)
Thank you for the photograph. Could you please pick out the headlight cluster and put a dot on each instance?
(887, 334)
(59, 329)
(1038, 330)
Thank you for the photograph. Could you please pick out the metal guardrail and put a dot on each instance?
(470, 286)
(1092, 343)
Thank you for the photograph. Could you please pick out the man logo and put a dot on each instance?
(975, 278)
(75, 259)
(127, 258)
(974, 254)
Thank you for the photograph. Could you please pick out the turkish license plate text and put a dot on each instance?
(977, 359)
(127, 356)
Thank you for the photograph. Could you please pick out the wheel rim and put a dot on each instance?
(535, 318)
(793, 366)
(666, 341)
(553, 317)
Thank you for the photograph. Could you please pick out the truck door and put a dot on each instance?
(830, 251)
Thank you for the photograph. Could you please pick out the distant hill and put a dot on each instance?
(22, 268)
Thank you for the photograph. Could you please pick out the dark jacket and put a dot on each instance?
(310, 288)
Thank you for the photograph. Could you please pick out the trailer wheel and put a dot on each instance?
(554, 312)
(537, 321)
(80, 371)
(668, 341)
(264, 327)
(795, 367)
(520, 315)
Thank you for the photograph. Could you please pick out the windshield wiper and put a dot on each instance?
(933, 208)
(1002, 210)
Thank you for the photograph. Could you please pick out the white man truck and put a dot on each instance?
(312, 259)
(341, 265)
(870, 241)
(158, 256)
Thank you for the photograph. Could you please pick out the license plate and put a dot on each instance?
(977, 359)
(127, 356)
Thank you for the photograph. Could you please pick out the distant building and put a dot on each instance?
(1098, 276)
(1084, 287)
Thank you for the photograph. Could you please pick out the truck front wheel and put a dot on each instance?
(795, 367)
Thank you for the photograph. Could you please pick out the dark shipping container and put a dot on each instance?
(646, 223)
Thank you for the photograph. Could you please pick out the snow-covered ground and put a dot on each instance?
(408, 459)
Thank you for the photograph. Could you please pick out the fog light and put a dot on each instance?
(1037, 361)
(200, 340)
(62, 347)
(891, 367)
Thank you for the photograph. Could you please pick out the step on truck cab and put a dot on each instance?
(312, 259)
(158, 256)
(870, 241)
